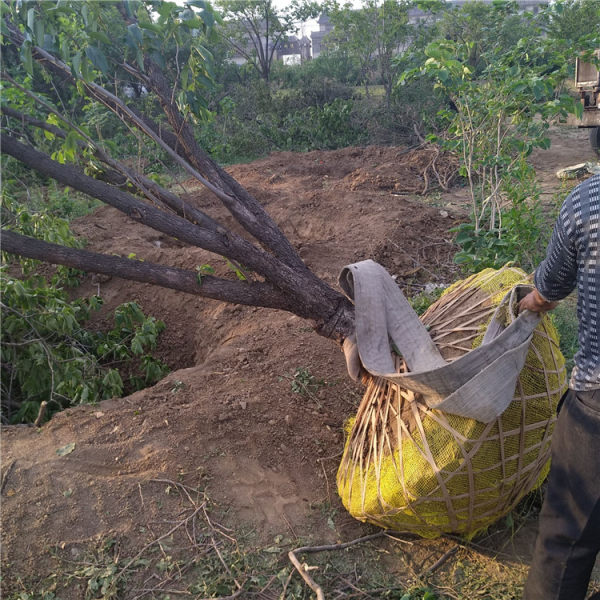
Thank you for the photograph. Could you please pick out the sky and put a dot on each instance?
(305, 29)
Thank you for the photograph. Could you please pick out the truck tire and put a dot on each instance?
(595, 139)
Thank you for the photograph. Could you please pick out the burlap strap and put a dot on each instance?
(479, 385)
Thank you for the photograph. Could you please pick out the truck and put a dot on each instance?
(587, 85)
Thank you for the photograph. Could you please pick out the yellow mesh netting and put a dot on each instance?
(411, 468)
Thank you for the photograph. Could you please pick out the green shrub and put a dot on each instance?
(48, 354)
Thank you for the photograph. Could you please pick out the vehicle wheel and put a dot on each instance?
(595, 139)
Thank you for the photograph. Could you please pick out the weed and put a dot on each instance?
(423, 300)
(177, 385)
(304, 383)
(74, 365)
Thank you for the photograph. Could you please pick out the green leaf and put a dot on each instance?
(185, 73)
(97, 58)
(151, 27)
(464, 237)
(39, 32)
(139, 57)
(193, 23)
(31, 19)
(136, 346)
(204, 269)
(99, 36)
(135, 32)
(538, 89)
(76, 63)
(85, 74)
(66, 449)
(544, 143)
(85, 13)
(27, 57)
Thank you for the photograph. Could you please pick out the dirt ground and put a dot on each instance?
(226, 425)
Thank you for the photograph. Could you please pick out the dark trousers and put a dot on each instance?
(569, 524)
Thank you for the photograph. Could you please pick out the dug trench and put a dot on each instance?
(227, 420)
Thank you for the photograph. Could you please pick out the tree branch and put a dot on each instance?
(120, 173)
(237, 292)
(312, 297)
(244, 207)
(221, 242)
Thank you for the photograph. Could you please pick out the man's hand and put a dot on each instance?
(535, 303)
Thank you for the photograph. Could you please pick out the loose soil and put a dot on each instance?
(225, 420)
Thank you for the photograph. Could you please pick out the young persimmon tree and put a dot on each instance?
(59, 56)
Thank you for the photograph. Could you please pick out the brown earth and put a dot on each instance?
(225, 420)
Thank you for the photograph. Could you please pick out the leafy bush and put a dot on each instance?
(245, 133)
(520, 240)
(317, 127)
(47, 353)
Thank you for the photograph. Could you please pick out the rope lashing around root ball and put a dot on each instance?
(455, 427)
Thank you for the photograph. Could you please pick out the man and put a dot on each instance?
(569, 524)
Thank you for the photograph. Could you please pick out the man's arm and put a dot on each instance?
(556, 276)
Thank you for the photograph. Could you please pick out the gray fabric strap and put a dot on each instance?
(478, 385)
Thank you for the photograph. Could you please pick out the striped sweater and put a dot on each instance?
(572, 260)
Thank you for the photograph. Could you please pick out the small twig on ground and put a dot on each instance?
(41, 414)
(178, 485)
(303, 569)
(6, 474)
(438, 563)
(320, 460)
(218, 529)
(290, 526)
(350, 585)
(392, 536)
(285, 586)
(141, 496)
(267, 586)
(157, 541)
(212, 539)
(164, 590)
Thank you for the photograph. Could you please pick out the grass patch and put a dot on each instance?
(375, 91)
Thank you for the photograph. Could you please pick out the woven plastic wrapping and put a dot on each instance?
(410, 468)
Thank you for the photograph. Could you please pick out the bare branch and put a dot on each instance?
(237, 292)
(121, 173)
